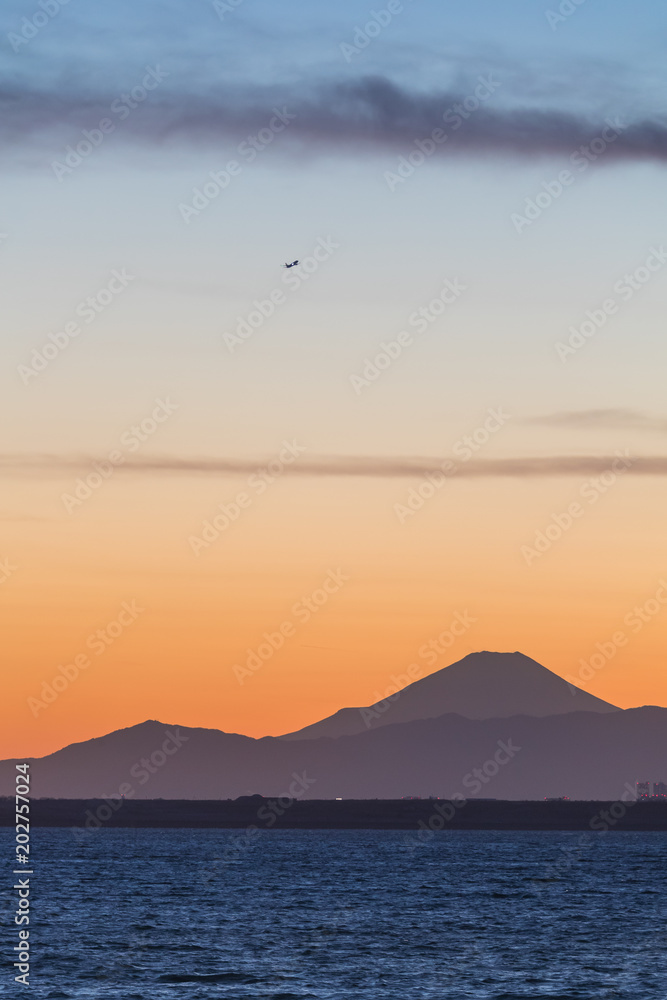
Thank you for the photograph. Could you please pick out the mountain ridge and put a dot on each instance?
(589, 750)
(587, 755)
(485, 684)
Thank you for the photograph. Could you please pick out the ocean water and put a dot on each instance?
(289, 915)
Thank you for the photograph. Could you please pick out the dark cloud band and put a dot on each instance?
(373, 111)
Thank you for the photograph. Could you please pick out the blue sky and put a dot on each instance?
(121, 207)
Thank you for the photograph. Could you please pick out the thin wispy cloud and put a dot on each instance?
(611, 419)
(345, 466)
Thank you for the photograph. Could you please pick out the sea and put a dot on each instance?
(341, 915)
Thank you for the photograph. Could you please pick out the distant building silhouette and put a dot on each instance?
(643, 789)
(660, 790)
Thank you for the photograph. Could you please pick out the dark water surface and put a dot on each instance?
(153, 914)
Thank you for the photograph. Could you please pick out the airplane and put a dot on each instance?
(292, 264)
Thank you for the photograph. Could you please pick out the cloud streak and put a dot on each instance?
(612, 419)
(372, 111)
(373, 467)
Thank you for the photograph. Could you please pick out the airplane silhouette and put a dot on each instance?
(292, 264)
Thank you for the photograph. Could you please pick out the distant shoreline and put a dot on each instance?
(266, 813)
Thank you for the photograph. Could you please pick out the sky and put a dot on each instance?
(243, 497)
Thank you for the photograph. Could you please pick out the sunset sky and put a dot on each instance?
(160, 370)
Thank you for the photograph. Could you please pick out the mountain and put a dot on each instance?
(480, 686)
(498, 725)
(585, 755)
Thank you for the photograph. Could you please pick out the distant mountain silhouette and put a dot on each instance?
(480, 686)
(585, 755)
(434, 738)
